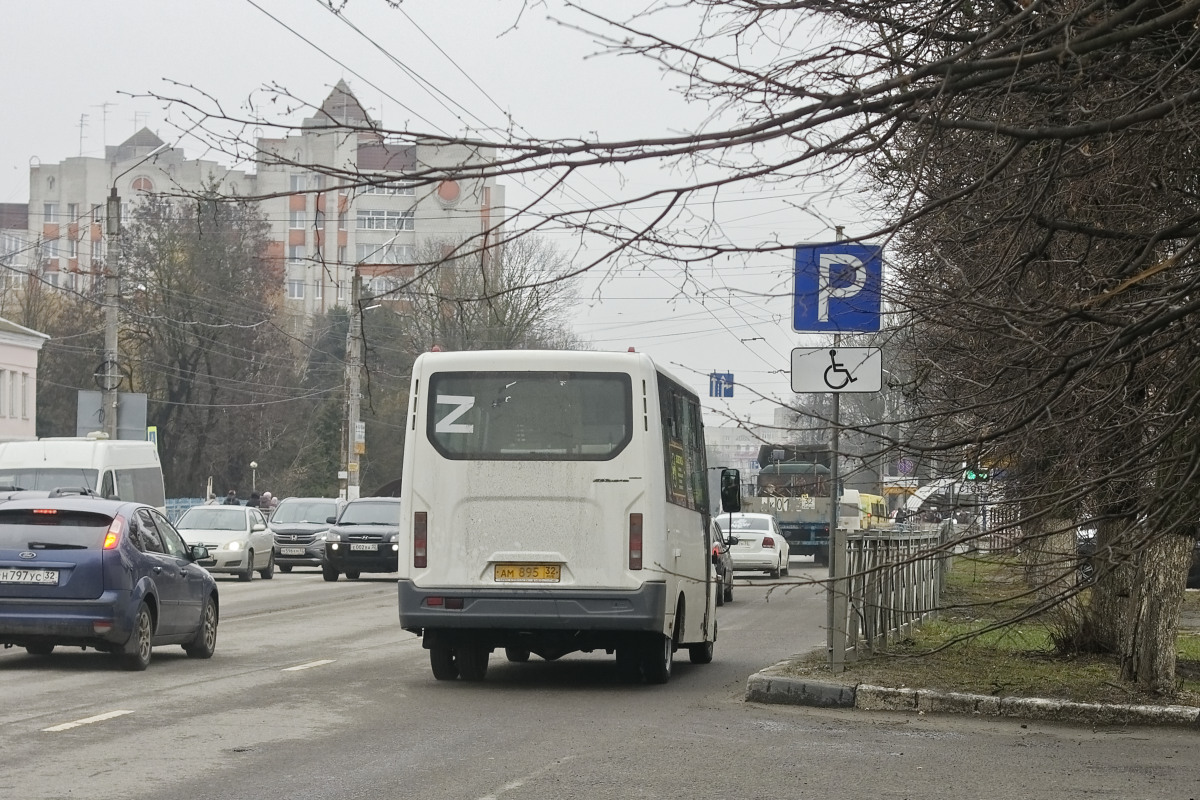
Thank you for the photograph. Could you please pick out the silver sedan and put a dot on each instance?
(237, 539)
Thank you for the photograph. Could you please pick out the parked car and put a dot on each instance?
(107, 574)
(299, 526)
(364, 538)
(723, 562)
(760, 544)
(237, 539)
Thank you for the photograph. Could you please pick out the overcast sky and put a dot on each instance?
(79, 73)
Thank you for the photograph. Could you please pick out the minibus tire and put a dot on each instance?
(442, 662)
(472, 662)
(658, 654)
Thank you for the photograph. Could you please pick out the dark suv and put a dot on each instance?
(298, 526)
(364, 538)
(113, 575)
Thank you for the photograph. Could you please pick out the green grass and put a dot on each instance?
(956, 652)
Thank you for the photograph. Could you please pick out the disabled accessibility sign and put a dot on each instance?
(837, 369)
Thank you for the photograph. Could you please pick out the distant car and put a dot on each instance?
(299, 525)
(723, 562)
(364, 538)
(237, 539)
(107, 574)
(760, 544)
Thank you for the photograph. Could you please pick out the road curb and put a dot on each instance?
(771, 686)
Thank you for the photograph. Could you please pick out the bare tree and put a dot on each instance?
(1031, 168)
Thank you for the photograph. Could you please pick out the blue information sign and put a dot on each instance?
(720, 384)
(838, 287)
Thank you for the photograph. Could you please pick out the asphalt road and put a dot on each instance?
(315, 692)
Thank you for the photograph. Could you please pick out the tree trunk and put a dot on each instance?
(1148, 659)
(1109, 611)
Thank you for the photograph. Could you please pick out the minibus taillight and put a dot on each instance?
(113, 537)
(420, 538)
(768, 542)
(635, 541)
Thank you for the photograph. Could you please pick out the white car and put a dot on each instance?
(237, 539)
(760, 545)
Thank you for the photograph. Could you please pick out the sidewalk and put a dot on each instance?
(773, 685)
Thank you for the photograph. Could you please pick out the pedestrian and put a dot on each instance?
(253, 501)
(231, 498)
(267, 502)
(212, 500)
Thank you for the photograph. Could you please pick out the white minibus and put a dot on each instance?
(114, 468)
(554, 502)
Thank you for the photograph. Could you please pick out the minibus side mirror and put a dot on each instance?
(731, 490)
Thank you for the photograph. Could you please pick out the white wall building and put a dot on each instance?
(19, 348)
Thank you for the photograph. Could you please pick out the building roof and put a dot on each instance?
(141, 143)
(12, 328)
(341, 107)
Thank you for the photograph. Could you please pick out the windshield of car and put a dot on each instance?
(213, 518)
(47, 478)
(314, 511)
(52, 529)
(370, 514)
(745, 524)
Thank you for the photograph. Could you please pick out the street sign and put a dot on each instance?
(837, 287)
(837, 369)
(720, 384)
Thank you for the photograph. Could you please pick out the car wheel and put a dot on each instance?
(629, 664)
(330, 574)
(787, 568)
(472, 662)
(285, 567)
(353, 575)
(39, 649)
(518, 655)
(269, 572)
(658, 656)
(703, 653)
(729, 589)
(721, 594)
(441, 659)
(135, 655)
(774, 571)
(248, 575)
(205, 643)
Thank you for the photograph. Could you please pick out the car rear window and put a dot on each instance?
(48, 529)
(746, 524)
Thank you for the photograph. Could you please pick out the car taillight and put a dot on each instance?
(716, 551)
(420, 539)
(113, 537)
(768, 542)
(635, 541)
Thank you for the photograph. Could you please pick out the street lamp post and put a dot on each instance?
(254, 476)
(109, 373)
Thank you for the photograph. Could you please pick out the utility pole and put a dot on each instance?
(110, 380)
(355, 429)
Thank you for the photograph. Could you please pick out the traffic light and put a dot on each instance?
(975, 473)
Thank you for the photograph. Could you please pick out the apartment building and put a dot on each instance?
(324, 227)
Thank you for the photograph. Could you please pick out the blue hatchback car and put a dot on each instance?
(116, 576)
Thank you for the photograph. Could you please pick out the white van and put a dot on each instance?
(117, 469)
(554, 502)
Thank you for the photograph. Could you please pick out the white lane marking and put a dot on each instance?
(66, 726)
(520, 782)
(309, 665)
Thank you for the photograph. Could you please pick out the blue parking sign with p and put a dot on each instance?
(837, 287)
